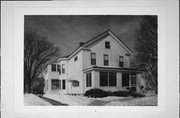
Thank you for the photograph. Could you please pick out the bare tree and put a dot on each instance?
(146, 48)
(38, 52)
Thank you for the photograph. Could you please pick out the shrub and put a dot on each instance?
(96, 93)
(101, 93)
(120, 93)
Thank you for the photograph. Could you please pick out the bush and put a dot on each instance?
(120, 93)
(100, 93)
(96, 93)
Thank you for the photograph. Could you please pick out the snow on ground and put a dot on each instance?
(33, 100)
(105, 101)
(145, 101)
(70, 100)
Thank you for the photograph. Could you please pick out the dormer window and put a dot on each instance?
(107, 44)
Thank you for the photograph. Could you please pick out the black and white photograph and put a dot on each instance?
(90, 60)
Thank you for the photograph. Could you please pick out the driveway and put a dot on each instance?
(53, 102)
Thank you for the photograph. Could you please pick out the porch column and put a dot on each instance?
(95, 79)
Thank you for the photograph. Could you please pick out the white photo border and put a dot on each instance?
(12, 53)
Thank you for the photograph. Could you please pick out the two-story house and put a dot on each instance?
(102, 62)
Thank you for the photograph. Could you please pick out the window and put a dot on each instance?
(125, 79)
(55, 84)
(107, 45)
(108, 79)
(75, 83)
(112, 79)
(93, 58)
(88, 80)
(103, 79)
(59, 69)
(75, 58)
(63, 68)
(63, 84)
(133, 79)
(121, 64)
(106, 62)
(129, 80)
(53, 67)
(60, 84)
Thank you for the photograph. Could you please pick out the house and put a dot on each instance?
(102, 62)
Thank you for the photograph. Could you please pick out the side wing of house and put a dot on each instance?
(51, 76)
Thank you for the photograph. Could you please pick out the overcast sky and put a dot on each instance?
(67, 31)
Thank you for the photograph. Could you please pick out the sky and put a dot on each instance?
(67, 31)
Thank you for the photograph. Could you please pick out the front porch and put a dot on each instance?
(112, 79)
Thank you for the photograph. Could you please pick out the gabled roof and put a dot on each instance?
(95, 40)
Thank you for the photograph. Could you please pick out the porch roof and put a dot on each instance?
(97, 68)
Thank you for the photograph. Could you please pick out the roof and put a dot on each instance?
(113, 69)
(94, 40)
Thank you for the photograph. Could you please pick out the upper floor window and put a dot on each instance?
(63, 68)
(59, 69)
(121, 64)
(75, 58)
(107, 45)
(106, 60)
(93, 58)
(53, 67)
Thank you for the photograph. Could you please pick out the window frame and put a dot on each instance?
(63, 84)
(88, 79)
(130, 77)
(53, 69)
(110, 79)
(93, 60)
(107, 45)
(124, 80)
(108, 82)
(121, 61)
(63, 68)
(59, 68)
(55, 83)
(106, 62)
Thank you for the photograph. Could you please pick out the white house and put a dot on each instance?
(102, 62)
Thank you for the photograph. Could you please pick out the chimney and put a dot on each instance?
(81, 43)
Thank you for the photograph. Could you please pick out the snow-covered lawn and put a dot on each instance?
(33, 100)
(106, 101)
(145, 101)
